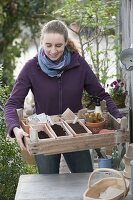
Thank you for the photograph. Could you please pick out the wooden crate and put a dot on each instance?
(76, 142)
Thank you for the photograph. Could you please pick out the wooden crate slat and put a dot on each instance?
(70, 144)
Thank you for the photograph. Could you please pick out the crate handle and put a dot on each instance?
(108, 170)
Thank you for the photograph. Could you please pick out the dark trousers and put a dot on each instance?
(77, 162)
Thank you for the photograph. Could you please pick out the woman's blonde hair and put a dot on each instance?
(56, 26)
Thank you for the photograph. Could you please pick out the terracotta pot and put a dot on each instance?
(95, 127)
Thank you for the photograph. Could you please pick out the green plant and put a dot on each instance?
(86, 101)
(117, 156)
(117, 88)
(11, 163)
(118, 92)
(96, 24)
(20, 26)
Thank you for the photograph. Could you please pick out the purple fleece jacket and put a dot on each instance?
(54, 95)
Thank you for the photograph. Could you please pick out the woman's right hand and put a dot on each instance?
(19, 134)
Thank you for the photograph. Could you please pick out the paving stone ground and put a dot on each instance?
(63, 166)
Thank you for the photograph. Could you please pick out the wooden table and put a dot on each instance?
(53, 187)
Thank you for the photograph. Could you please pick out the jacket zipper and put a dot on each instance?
(60, 94)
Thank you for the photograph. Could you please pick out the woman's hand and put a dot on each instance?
(19, 134)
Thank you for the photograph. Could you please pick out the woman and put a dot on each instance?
(57, 77)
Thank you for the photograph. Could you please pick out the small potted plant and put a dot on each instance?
(94, 121)
(118, 92)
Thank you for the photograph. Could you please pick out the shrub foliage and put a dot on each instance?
(11, 163)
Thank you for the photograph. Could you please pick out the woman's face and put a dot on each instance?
(53, 45)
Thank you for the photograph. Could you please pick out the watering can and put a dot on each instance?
(126, 58)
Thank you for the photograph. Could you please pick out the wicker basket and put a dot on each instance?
(94, 190)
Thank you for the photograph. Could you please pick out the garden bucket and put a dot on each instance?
(105, 162)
